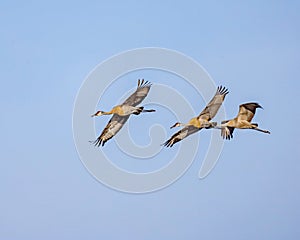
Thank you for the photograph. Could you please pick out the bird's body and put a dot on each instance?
(202, 120)
(241, 121)
(122, 112)
(195, 122)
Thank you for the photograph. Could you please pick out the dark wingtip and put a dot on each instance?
(167, 144)
(251, 106)
(95, 142)
(143, 83)
(259, 106)
(98, 142)
(222, 90)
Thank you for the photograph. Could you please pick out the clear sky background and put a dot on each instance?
(47, 50)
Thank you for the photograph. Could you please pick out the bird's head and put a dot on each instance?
(178, 124)
(98, 113)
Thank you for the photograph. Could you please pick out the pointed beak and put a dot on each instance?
(93, 115)
(173, 126)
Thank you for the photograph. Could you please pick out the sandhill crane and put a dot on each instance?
(122, 112)
(241, 121)
(201, 121)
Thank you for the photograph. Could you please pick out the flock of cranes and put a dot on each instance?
(122, 112)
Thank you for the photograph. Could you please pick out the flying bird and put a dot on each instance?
(202, 120)
(241, 121)
(122, 112)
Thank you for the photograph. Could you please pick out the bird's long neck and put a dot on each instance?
(108, 113)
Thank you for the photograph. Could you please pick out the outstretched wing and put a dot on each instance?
(139, 95)
(215, 103)
(247, 111)
(112, 128)
(183, 133)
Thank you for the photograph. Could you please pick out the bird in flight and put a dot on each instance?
(241, 121)
(122, 112)
(201, 121)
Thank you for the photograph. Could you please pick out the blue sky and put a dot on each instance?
(48, 49)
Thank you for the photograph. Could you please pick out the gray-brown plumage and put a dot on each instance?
(202, 120)
(122, 112)
(241, 121)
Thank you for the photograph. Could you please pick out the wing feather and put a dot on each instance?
(139, 95)
(247, 111)
(227, 132)
(183, 133)
(112, 128)
(214, 105)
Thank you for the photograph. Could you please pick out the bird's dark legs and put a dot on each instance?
(148, 110)
(261, 130)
